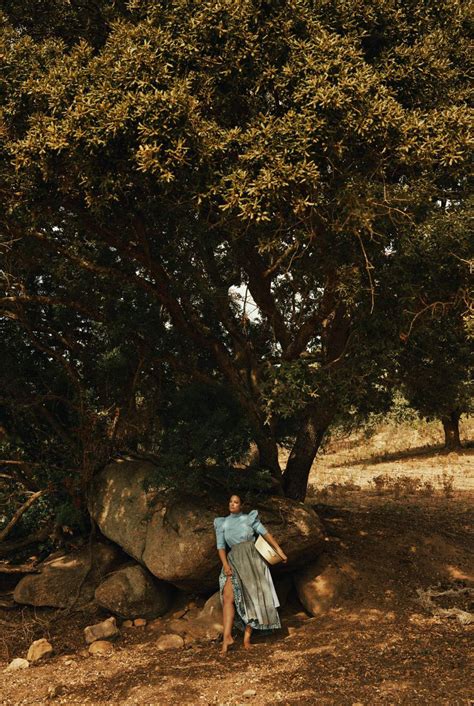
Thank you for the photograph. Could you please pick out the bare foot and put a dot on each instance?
(226, 644)
(247, 634)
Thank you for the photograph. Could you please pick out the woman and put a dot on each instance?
(245, 583)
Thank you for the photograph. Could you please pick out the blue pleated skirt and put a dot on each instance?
(255, 598)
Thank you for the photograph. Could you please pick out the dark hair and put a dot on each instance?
(236, 495)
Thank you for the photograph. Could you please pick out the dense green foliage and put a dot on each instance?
(435, 362)
(168, 167)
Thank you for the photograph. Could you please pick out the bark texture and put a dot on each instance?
(308, 441)
(450, 423)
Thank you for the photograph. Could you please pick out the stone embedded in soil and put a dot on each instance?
(179, 614)
(249, 693)
(101, 648)
(55, 691)
(155, 625)
(139, 623)
(169, 642)
(189, 640)
(100, 631)
(39, 649)
(17, 663)
(127, 624)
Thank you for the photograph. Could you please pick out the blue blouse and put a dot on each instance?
(237, 527)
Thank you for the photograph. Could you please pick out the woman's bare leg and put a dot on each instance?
(229, 612)
(247, 635)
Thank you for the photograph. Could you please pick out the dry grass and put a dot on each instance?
(404, 451)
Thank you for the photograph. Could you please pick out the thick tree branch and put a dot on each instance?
(260, 288)
(52, 301)
(19, 514)
(40, 535)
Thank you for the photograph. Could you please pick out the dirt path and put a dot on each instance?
(377, 646)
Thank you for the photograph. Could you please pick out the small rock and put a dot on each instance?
(177, 626)
(191, 605)
(139, 622)
(170, 642)
(249, 693)
(55, 691)
(127, 624)
(39, 649)
(100, 631)
(156, 625)
(17, 663)
(101, 648)
(83, 653)
(301, 615)
(189, 640)
(192, 614)
(178, 614)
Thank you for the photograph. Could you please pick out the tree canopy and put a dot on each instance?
(178, 163)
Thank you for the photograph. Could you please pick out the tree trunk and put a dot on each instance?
(451, 431)
(308, 441)
(268, 459)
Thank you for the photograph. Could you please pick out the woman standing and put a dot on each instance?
(246, 587)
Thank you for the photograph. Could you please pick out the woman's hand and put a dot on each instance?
(228, 570)
(271, 540)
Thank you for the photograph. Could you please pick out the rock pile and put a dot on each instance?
(64, 579)
(173, 536)
(163, 545)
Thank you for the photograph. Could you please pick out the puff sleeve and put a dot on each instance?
(219, 530)
(255, 523)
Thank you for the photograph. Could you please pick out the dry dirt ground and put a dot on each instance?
(377, 645)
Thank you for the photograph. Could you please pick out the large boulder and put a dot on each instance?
(65, 579)
(132, 591)
(323, 583)
(173, 535)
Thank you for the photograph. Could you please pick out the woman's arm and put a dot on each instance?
(223, 557)
(271, 540)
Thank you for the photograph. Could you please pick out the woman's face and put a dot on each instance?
(234, 504)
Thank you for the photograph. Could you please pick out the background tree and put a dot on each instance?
(436, 359)
(199, 151)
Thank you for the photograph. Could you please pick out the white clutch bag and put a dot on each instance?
(266, 550)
